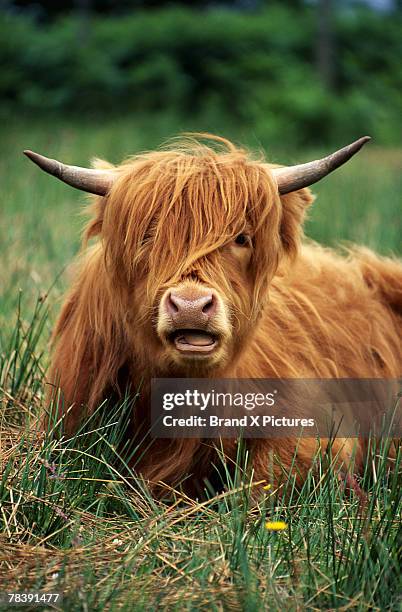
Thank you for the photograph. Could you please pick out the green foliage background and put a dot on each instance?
(256, 68)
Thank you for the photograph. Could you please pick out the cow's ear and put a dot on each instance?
(294, 208)
(96, 210)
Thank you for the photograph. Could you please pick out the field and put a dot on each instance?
(72, 519)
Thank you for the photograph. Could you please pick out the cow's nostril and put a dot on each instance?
(171, 304)
(209, 305)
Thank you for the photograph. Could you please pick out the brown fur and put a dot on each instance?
(294, 309)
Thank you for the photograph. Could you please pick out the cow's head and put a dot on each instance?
(191, 237)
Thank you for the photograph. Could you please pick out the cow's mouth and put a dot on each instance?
(193, 341)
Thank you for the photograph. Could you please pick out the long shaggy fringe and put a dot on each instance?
(301, 310)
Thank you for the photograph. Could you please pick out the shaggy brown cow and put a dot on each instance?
(200, 270)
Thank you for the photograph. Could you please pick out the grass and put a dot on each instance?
(74, 520)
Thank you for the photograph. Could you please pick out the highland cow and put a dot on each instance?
(200, 269)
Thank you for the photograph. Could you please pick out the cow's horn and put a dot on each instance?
(94, 181)
(296, 177)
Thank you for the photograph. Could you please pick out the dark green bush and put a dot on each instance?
(253, 68)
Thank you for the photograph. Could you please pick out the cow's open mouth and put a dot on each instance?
(193, 341)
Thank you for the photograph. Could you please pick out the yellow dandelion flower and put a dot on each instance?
(276, 525)
(267, 487)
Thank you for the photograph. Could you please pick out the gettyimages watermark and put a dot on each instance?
(267, 408)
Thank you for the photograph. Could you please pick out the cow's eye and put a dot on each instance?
(242, 240)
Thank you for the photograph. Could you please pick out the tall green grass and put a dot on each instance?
(75, 519)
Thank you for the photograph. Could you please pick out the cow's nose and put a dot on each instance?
(191, 307)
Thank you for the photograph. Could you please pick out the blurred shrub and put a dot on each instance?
(256, 68)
